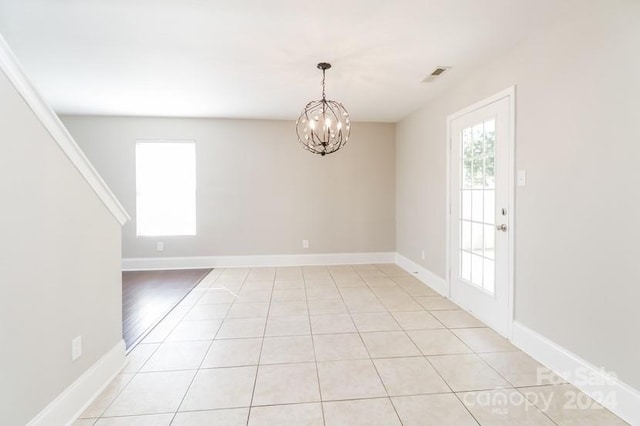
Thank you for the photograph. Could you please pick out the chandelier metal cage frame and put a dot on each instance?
(324, 126)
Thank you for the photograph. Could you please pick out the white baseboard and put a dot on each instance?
(153, 263)
(618, 397)
(434, 281)
(66, 408)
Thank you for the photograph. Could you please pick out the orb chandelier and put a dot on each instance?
(324, 126)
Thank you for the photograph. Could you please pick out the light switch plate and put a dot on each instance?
(76, 348)
(522, 177)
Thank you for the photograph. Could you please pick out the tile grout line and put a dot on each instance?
(142, 342)
(425, 357)
(509, 382)
(102, 412)
(538, 408)
(454, 393)
(388, 397)
(203, 280)
(366, 286)
(313, 345)
(478, 355)
(199, 367)
(264, 330)
(186, 313)
(421, 355)
(431, 364)
(410, 339)
(137, 372)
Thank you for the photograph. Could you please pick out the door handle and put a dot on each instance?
(502, 228)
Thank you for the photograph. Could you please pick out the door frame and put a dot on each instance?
(509, 93)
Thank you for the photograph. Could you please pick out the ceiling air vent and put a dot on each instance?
(437, 72)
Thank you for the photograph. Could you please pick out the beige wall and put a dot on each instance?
(577, 228)
(259, 192)
(59, 266)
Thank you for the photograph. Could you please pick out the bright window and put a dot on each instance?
(165, 188)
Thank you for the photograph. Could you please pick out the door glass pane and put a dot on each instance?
(465, 235)
(467, 162)
(477, 243)
(489, 206)
(489, 241)
(478, 204)
(465, 205)
(489, 154)
(478, 155)
(476, 269)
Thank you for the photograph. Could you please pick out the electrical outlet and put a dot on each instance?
(160, 246)
(423, 255)
(76, 348)
(305, 243)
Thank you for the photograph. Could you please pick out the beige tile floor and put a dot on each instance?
(336, 345)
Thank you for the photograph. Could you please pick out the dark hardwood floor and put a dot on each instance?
(147, 296)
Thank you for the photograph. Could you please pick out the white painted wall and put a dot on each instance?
(258, 191)
(577, 228)
(59, 266)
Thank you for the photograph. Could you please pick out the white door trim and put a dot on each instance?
(511, 94)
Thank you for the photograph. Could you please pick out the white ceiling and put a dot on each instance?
(257, 58)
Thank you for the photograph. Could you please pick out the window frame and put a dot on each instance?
(195, 186)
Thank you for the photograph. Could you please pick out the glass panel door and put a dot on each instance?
(479, 195)
(477, 204)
